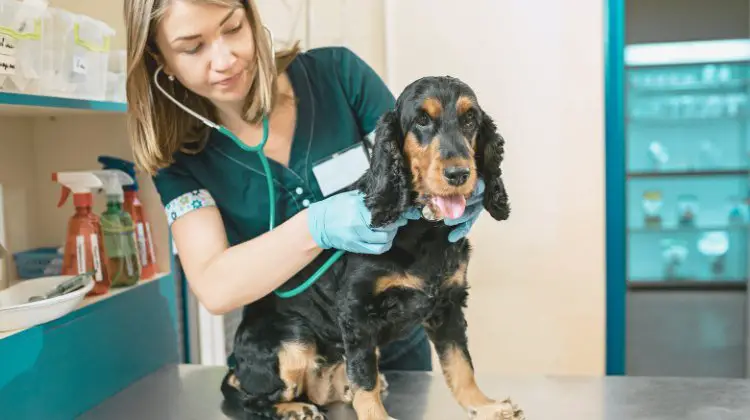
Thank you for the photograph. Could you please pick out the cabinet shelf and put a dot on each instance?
(691, 285)
(665, 174)
(687, 229)
(92, 300)
(17, 104)
(689, 88)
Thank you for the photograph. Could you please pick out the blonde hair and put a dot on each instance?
(156, 126)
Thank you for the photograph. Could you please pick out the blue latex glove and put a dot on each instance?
(474, 207)
(343, 222)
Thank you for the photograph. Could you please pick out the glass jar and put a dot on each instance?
(687, 209)
(652, 203)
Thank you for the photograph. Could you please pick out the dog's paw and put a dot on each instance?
(504, 410)
(298, 411)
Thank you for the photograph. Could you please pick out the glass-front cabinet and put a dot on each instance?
(687, 131)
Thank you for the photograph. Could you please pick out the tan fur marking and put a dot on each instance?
(233, 381)
(433, 107)
(295, 360)
(458, 278)
(418, 162)
(369, 405)
(463, 104)
(460, 379)
(397, 280)
(328, 385)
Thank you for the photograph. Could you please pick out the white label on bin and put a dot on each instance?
(97, 260)
(79, 65)
(7, 65)
(7, 45)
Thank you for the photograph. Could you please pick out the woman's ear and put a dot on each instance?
(490, 151)
(386, 184)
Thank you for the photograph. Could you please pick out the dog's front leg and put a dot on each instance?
(362, 356)
(447, 331)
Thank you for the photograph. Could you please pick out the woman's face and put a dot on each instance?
(209, 49)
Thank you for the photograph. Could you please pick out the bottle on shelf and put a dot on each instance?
(83, 251)
(118, 231)
(132, 205)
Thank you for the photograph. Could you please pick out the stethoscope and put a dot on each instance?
(266, 168)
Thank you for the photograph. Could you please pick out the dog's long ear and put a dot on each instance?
(386, 185)
(490, 151)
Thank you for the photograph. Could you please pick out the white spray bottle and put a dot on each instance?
(83, 252)
(118, 230)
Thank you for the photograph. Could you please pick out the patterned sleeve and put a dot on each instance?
(180, 193)
(186, 203)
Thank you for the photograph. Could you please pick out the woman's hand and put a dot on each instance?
(343, 222)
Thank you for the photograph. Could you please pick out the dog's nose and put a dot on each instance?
(456, 175)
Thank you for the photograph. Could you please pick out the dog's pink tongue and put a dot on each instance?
(451, 207)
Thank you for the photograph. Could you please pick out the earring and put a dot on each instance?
(171, 78)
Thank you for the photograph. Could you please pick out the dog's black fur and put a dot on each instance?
(351, 310)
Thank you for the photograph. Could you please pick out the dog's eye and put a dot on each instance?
(422, 119)
(469, 120)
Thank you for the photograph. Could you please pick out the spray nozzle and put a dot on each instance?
(113, 181)
(113, 162)
(81, 184)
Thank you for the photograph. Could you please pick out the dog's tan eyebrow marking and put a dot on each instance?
(433, 107)
(463, 104)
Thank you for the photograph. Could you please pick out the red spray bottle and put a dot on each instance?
(83, 243)
(132, 205)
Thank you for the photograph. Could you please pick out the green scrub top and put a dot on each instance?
(339, 100)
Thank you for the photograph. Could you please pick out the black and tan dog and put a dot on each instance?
(296, 355)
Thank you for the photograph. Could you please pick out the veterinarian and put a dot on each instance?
(216, 58)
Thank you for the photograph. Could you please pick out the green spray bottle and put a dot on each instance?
(118, 230)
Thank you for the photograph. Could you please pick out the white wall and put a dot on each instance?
(537, 302)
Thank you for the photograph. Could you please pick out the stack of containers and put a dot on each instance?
(116, 76)
(76, 58)
(21, 45)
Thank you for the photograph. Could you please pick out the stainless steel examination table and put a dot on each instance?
(192, 392)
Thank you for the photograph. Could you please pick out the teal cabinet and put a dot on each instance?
(687, 146)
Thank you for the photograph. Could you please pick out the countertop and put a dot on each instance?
(192, 392)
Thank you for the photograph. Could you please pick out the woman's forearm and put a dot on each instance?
(252, 269)
(225, 278)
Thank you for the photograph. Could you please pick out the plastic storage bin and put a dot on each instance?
(38, 262)
(77, 56)
(116, 76)
(21, 46)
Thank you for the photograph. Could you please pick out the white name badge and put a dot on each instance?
(341, 169)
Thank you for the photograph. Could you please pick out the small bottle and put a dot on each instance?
(83, 251)
(117, 228)
(132, 205)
